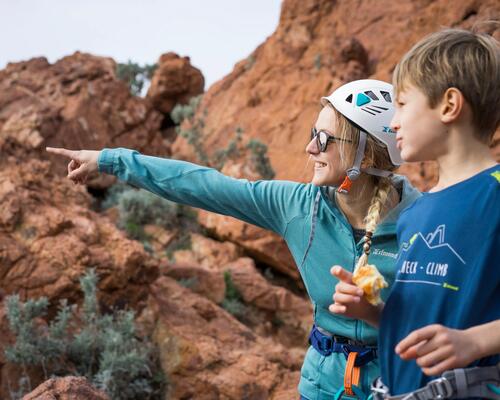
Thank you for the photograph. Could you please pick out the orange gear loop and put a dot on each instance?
(351, 374)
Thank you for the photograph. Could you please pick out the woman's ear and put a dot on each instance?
(452, 104)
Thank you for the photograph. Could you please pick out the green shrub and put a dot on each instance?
(141, 207)
(138, 207)
(259, 158)
(188, 282)
(233, 301)
(234, 307)
(183, 242)
(317, 61)
(104, 348)
(114, 193)
(194, 134)
(250, 61)
(134, 75)
(230, 152)
(185, 111)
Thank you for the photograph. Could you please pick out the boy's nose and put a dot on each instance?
(312, 147)
(395, 125)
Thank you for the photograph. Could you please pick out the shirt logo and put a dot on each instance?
(496, 175)
(433, 240)
(384, 253)
(430, 264)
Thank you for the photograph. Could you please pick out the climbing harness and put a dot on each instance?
(462, 383)
(356, 354)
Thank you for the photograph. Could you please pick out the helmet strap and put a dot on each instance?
(353, 173)
(377, 172)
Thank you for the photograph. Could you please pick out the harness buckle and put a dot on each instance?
(326, 344)
(364, 355)
(441, 388)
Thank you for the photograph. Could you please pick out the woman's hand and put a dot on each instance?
(437, 348)
(83, 162)
(349, 300)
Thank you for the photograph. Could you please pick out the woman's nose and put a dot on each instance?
(312, 147)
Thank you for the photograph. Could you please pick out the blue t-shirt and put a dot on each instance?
(448, 271)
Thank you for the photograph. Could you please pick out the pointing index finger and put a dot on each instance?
(62, 152)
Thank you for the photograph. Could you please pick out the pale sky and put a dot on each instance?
(215, 34)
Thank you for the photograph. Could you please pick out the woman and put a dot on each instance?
(324, 223)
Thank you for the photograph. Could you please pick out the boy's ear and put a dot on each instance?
(451, 106)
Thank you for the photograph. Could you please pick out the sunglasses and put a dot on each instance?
(323, 138)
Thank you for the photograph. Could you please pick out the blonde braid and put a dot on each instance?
(372, 218)
(366, 276)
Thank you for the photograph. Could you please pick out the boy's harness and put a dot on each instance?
(355, 353)
(462, 383)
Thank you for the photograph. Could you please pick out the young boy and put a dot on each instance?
(443, 310)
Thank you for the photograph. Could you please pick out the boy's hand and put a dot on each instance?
(82, 164)
(349, 300)
(437, 348)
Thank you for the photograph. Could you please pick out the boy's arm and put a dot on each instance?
(437, 348)
(262, 203)
(349, 300)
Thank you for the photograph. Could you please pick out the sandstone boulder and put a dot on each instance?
(67, 388)
(210, 355)
(79, 103)
(210, 254)
(49, 237)
(174, 81)
(205, 282)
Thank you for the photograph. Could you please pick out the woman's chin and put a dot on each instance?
(319, 180)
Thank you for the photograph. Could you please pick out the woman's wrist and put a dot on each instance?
(373, 318)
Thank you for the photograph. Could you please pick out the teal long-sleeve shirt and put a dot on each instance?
(286, 208)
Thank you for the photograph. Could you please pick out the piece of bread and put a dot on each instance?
(371, 281)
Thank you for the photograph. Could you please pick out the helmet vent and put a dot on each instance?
(386, 96)
(374, 109)
(381, 108)
(371, 95)
(349, 98)
(369, 112)
(362, 99)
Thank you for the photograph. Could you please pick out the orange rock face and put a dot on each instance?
(317, 46)
(207, 354)
(271, 310)
(78, 103)
(49, 237)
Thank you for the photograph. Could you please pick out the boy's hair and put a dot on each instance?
(461, 59)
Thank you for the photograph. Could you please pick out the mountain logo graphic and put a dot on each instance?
(496, 175)
(433, 240)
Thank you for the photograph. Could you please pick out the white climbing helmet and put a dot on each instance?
(368, 104)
